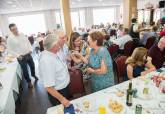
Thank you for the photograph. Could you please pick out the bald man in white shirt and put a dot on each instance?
(54, 72)
(19, 46)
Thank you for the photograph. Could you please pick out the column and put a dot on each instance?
(65, 9)
(129, 11)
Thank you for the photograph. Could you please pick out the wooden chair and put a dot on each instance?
(113, 50)
(128, 48)
(76, 85)
(120, 67)
(150, 42)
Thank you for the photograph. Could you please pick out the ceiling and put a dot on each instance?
(15, 6)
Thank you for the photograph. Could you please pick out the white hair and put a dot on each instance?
(162, 37)
(50, 40)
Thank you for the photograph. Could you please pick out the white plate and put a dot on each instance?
(2, 68)
(115, 98)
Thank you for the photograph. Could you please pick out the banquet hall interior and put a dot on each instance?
(82, 56)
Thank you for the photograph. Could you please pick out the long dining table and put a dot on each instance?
(153, 103)
(9, 78)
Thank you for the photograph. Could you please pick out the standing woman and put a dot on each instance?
(100, 63)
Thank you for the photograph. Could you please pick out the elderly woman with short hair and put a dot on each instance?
(99, 62)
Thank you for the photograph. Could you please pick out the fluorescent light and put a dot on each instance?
(9, 2)
(100, 0)
(103, 4)
(73, 3)
(14, 6)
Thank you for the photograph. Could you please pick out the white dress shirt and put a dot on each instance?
(122, 41)
(64, 53)
(135, 27)
(53, 71)
(18, 45)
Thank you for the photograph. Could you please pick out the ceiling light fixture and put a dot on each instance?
(100, 0)
(9, 2)
(73, 3)
(14, 6)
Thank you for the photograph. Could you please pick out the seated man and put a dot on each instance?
(157, 53)
(123, 40)
(148, 34)
(54, 72)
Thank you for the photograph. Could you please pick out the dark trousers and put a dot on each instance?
(26, 61)
(55, 101)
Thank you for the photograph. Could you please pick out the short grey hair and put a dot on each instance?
(49, 41)
(162, 37)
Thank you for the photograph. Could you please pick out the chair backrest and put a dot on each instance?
(113, 32)
(76, 82)
(113, 49)
(128, 48)
(120, 67)
(150, 42)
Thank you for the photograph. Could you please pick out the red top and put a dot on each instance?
(162, 33)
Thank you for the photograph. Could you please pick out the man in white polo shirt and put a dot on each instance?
(54, 72)
(19, 46)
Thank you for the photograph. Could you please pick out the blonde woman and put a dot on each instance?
(139, 63)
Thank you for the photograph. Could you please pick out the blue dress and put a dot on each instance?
(100, 82)
(136, 71)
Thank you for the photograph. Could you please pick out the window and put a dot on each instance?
(103, 15)
(29, 24)
(0, 32)
(140, 16)
(77, 18)
(58, 20)
(157, 15)
(82, 18)
(147, 14)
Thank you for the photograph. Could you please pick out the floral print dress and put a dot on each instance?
(103, 81)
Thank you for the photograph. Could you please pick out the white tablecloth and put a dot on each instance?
(8, 78)
(155, 105)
